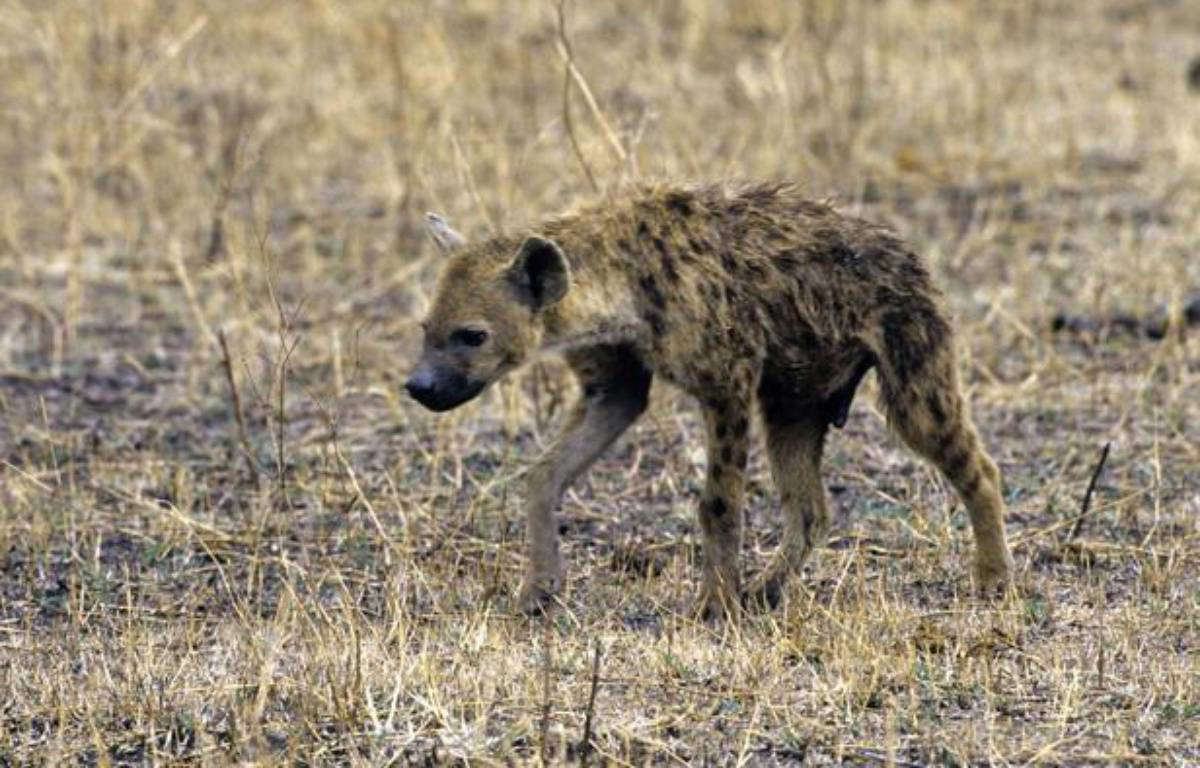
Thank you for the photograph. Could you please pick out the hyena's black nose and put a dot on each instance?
(420, 386)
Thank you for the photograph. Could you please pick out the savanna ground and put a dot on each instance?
(214, 208)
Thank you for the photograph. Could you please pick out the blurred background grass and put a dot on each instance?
(329, 128)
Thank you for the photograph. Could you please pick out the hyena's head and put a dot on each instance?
(486, 316)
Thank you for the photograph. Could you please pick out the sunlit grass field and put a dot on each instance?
(226, 537)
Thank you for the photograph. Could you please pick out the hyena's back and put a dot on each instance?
(816, 296)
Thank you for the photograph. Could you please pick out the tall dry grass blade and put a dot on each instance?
(563, 44)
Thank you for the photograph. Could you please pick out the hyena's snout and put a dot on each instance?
(420, 385)
(440, 389)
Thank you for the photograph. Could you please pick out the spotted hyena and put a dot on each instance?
(740, 296)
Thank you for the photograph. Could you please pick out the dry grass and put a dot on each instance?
(326, 579)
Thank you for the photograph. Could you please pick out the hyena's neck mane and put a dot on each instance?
(615, 246)
(600, 305)
(595, 311)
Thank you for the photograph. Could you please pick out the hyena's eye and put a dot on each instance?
(469, 337)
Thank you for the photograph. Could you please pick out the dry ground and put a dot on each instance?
(329, 582)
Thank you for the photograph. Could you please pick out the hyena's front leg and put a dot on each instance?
(728, 428)
(615, 391)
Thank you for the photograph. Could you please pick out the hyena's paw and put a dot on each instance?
(537, 597)
(765, 593)
(993, 575)
(716, 604)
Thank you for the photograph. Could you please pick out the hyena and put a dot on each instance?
(749, 297)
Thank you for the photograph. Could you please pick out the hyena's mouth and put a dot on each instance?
(447, 395)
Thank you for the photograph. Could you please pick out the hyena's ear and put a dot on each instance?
(540, 273)
(446, 238)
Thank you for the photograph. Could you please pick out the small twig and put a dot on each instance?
(189, 292)
(568, 122)
(585, 744)
(238, 413)
(348, 468)
(170, 51)
(50, 441)
(546, 680)
(469, 179)
(564, 50)
(285, 328)
(335, 352)
(875, 756)
(28, 477)
(238, 111)
(190, 524)
(1087, 496)
(285, 355)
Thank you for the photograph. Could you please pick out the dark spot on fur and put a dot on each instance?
(696, 246)
(680, 202)
(657, 324)
(669, 267)
(935, 407)
(937, 330)
(727, 455)
(904, 354)
(623, 244)
(741, 426)
(660, 245)
(715, 471)
(807, 513)
(970, 485)
(643, 229)
(722, 430)
(650, 288)
(866, 258)
(716, 508)
(728, 262)
(756, 270)
(954, 461)
(591, 390)
(831, 238)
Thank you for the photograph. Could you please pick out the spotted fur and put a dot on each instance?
(747, 298)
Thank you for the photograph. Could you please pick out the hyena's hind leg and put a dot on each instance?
(795, 442)
(925, 407)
